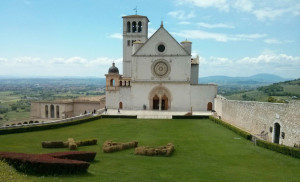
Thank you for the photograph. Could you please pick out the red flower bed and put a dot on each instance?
(48, 163)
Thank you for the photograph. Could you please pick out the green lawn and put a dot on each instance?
(204, 151)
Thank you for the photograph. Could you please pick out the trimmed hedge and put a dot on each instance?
(75, 155)
(189, 117)
(87, 142)
(240, 132)
(46, 126)
(109, 146)
(294, 152)
(54, 144)
(120, 116)
(151, 151)
(70, 143)
(47, 163)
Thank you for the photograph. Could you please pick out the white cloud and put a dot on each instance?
(243, 5)
(262, 10)
(269, 13)
(279, 64)
(272, 41)
(217, 25)
(184, 23)
(220, 4)
(181, 15)
(219, 37)
(116, 36)
(151, 31)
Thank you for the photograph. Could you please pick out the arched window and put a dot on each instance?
(52, 111)
(124, 83)
(133, 27)
(139, 26)
(46, 111)
(128, 83)
(128, 26)
(112, 82)
(57, 111)
(120, 83)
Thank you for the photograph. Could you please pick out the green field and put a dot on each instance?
(280, 92)
(204, 151)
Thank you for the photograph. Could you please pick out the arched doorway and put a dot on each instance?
(52, 111)
(209, 106)
(164, 103)
(57, 111)
(120, 105)
(160, 98)
(155, 102)
(276, 133)
(46, 111)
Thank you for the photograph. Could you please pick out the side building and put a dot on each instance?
(61, 109)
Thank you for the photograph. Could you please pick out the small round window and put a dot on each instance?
(161, 48)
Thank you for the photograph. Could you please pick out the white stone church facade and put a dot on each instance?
(158, 73)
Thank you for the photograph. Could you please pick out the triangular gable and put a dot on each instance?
(161, 36)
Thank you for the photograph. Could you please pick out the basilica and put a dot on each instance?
(158, 73)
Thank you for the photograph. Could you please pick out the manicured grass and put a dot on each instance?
(204, 151)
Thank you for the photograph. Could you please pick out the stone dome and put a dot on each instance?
(113, 69)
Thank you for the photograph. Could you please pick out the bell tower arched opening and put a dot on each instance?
(128, 26)
(139, 26)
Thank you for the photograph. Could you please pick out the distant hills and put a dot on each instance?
(276, 92)
(258, 79)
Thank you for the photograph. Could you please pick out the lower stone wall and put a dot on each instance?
(259, 118)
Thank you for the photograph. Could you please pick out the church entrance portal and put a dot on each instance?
(160, 98)
(155, 103)
(276, 132)
(164, 103)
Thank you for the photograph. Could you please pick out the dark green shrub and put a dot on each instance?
(119, 116)
(240, 132)
(46, 126)
(189, 117)
(294, 152)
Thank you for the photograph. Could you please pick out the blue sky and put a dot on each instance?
(83, 37)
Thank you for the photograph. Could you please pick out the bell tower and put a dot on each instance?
(135, 28)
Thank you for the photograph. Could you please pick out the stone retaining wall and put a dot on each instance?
(259, 118)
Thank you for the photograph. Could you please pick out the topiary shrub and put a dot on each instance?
(87, 142)
(109, 146)
(75, 155)
(48, 163)
(155, 151)
(72, 144)
(53, 144)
